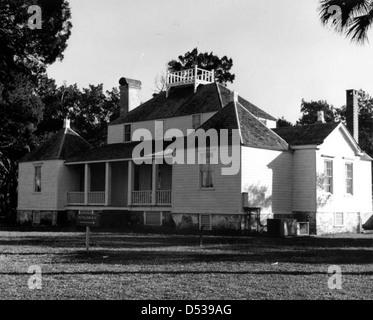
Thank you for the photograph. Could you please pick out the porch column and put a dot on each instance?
(87, 182)
(130, 179)
(107, 183)
(154, 182)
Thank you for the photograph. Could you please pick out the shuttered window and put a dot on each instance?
(37, 182)
(328, 176)
(349, 178)
(206, 173)
(205, 222)
(153, 218)
(36, 217)
(127, 133)
(338, 219)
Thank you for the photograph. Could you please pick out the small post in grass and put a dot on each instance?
(201, 237)
(87, 234)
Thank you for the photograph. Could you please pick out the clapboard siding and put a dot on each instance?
(116, 132)
(47, 198)
(188, 197)
(341, 151)
(69, 180)
(304, 180)
(270, 172)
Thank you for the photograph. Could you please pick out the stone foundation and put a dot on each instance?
(25, 217)
(325, 223)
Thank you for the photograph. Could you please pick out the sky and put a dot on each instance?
(280, 50)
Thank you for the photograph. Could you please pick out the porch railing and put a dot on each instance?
(141, 197)
(75, 198)
(195, 75)
(96, 197)
(164, 197)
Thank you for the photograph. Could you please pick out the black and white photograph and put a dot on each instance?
(184, 156)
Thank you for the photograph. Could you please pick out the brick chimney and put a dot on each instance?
(320, 117)
(130, 91)
(352, 113)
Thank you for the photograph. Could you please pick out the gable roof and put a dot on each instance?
(313, 134)
(227, 96)
(61, 146)
(253, 132)
(182, 101)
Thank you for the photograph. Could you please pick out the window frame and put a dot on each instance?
(36, 167)
(347, 178)
(210, 222)
(210, 171)
(126, 125)
(153, 225)
(331, 177)
(335, 220)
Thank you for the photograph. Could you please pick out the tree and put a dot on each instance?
(365, 121)
(352, 18)
(207, 61)
(282, 122)
(310, 109)
(89, 109)
(30, 50)
(24, 55)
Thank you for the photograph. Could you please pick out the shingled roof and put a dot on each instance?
(254, 133)
(64, 144)
(182, 101)
(115, 151)
(314, 134)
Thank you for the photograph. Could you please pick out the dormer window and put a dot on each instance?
(127, 133)
(196, 121)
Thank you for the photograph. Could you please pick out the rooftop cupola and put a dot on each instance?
(190, 77)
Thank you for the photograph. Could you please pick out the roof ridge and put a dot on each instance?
(219, 94)
(270, 130)
(238, 120)
(62, 142)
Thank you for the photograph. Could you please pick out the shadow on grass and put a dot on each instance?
(290, 273)
(164, 250)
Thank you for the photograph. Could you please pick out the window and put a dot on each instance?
(205, 222)
(338, 219)
(37, 183)
(206, 173)
(127, 133)
(328, 176)
(196, 121)
(153, 218)
(349, 171)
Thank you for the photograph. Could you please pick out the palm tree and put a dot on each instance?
(350, 17)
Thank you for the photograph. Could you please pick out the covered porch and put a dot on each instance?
(119, 184)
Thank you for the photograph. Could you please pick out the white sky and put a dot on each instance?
(280, 50)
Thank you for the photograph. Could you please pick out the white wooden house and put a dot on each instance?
(316, 174)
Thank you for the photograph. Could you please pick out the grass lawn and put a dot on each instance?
(132, 266)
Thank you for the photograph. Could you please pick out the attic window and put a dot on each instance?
(127, 133)
(37, 182)
(196, 121)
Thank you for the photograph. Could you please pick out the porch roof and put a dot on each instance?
(112, 152)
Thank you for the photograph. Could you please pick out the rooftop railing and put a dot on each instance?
(195, 76)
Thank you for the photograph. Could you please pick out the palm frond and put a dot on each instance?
(352, 17)
(359, 27)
